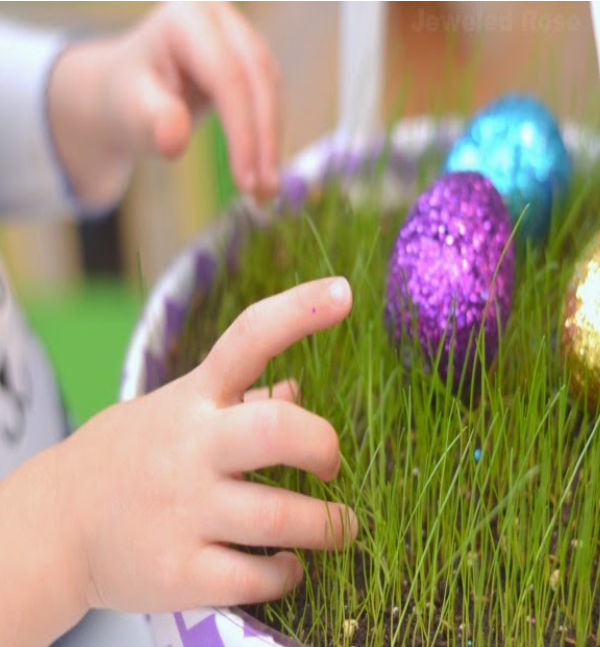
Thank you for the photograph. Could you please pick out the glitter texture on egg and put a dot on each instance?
(517, 144)
(452, 270)
(581, 324)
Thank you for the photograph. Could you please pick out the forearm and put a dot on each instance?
(88, 140)
(41, 583)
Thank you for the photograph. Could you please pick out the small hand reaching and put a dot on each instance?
(161, 500)
(114, 100)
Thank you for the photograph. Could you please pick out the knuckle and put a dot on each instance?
(273, 417)
(168, 571)
(233, 74)
(161, 468)
(267, 428)
(246, 584)
(272, 516)
(248, 323)
(302, 298)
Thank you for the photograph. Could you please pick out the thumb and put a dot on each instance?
(165, 120)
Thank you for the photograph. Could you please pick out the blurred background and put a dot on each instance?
(82, 284)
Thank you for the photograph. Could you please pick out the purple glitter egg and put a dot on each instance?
(452, 270)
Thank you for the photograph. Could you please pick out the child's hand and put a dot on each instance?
(113, 100)
(155, 484)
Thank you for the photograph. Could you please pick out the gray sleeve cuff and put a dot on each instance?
(32, 180)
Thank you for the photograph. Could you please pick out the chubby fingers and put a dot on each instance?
(228, 62)
(265, 433)
(233, 577)
(266, 329)
(264, 84)
(253, 514)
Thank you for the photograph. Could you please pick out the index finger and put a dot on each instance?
(266, 329)
(263, 77)
(205, 55)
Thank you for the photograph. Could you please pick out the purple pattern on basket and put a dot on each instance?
(254, 628)
(348, 162)
(344, 163)
(402, 164)
(232, 252)
(175, 314)
(203, 634)
(205, 268)
(294, 191)
(155, 371)
(251, 632)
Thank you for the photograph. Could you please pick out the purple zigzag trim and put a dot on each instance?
(232, 252)
(203, 634)
(155, 372)
(206, 267)
(251, 632)
(402, 165)
(256, 629)
(293, 191)
(344, 164)
(175, 317)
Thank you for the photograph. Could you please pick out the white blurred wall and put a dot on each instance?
(450, 56)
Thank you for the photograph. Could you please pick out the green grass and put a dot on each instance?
(450, 549)
(85, 331)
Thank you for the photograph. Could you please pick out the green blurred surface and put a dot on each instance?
(85, 331)
(226, 190)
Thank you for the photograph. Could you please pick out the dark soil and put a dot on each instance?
(441, 633)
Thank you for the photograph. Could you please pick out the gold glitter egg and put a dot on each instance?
(581, 325)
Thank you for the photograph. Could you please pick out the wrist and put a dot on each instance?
(43, 584)
(96, 157)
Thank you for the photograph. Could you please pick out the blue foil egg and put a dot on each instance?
(517, 144)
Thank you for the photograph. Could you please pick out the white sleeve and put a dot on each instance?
(32, 180)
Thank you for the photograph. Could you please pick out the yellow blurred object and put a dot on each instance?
(581, 327)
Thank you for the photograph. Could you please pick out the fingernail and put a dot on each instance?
(339, 291)
(299, 573)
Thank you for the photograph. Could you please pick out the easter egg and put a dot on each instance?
(580, 340)
(451, 270)
(516, 143)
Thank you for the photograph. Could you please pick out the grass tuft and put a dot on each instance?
(478, 514)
